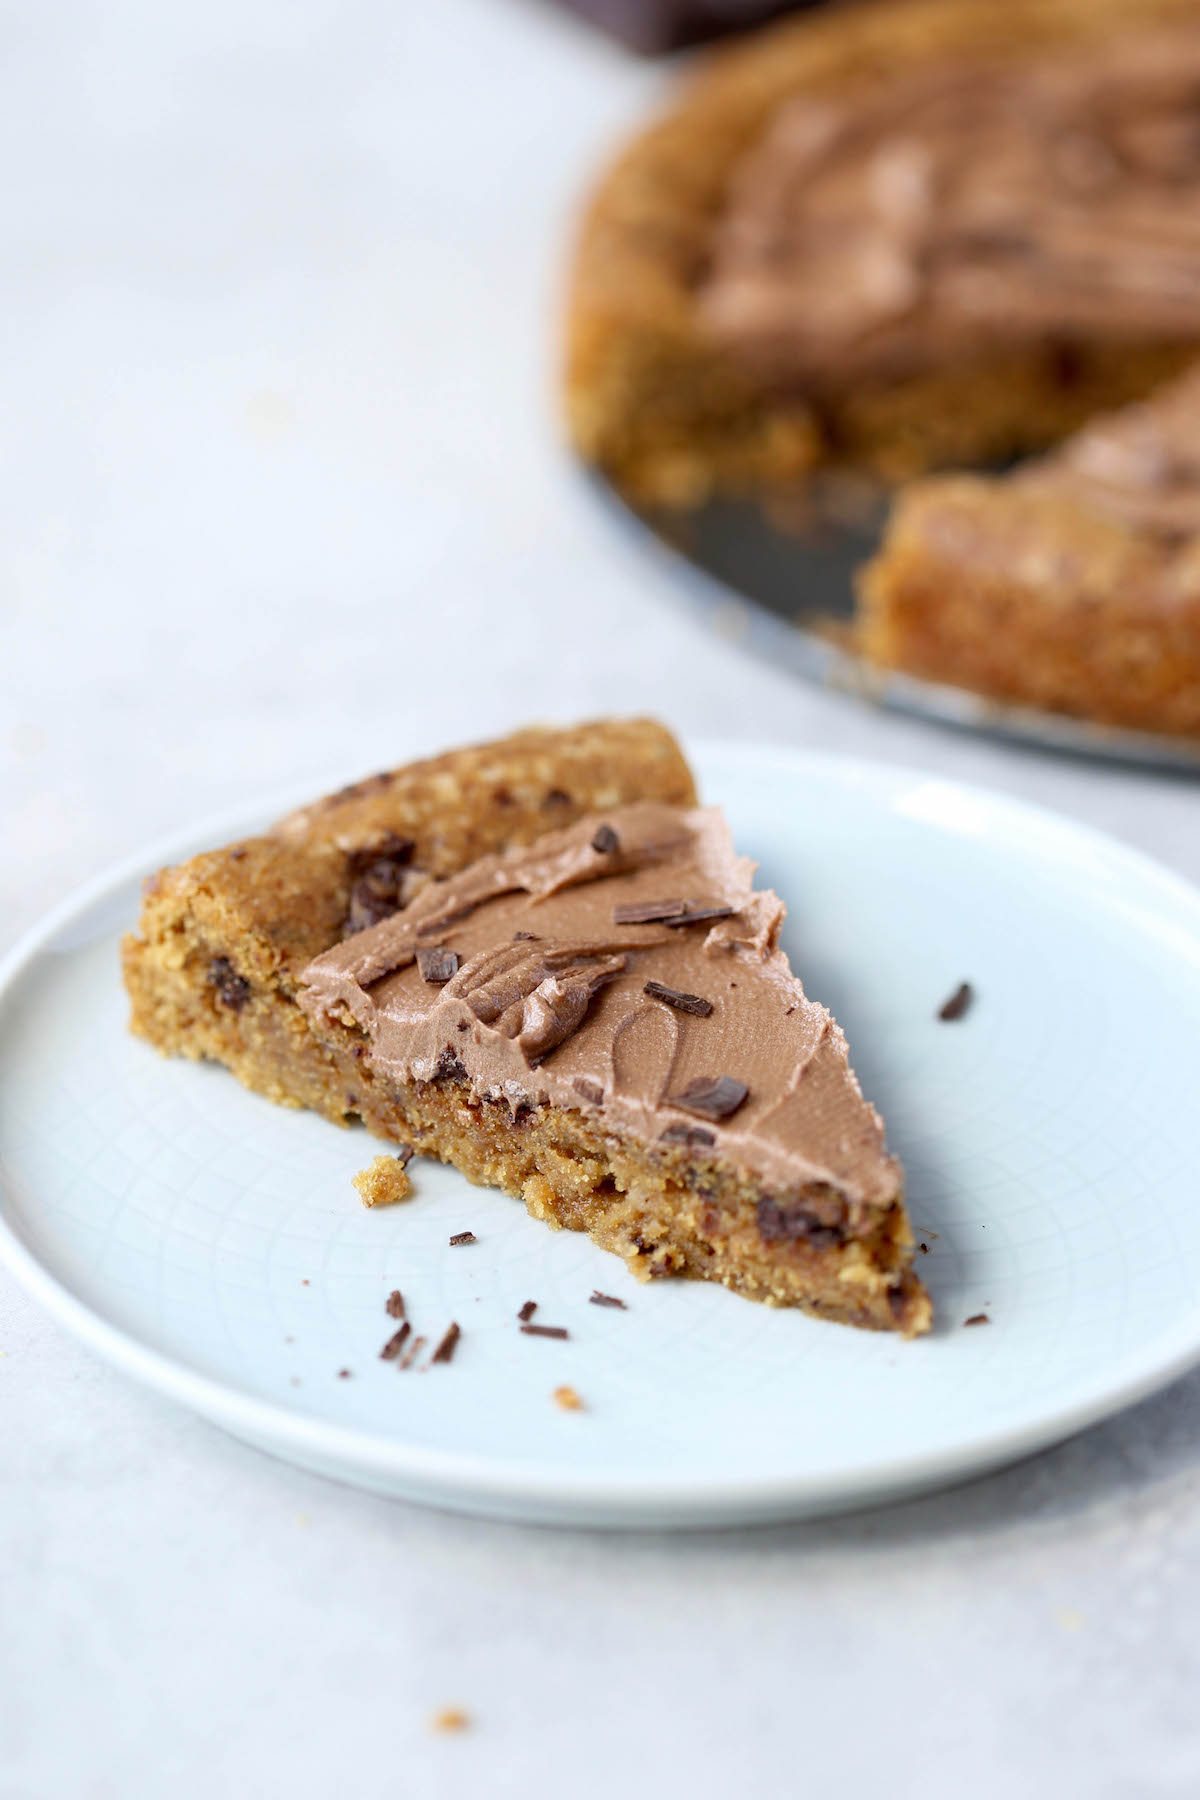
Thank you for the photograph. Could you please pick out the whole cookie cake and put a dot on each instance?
(903, 237)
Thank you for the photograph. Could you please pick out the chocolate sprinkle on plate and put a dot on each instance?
(527, 1311)
(550, 1331)
(713, 1097)
(606, 841)
(344, 1374)
(977, 1319)
(686, 1003)
(437, 965)
(404, 1154)
(395, 1304)
(395, 1343)
(959, 1001)
(596, 1298)
(463, 1237)
(411, 1354)
(445, 1349)
(692, 1137)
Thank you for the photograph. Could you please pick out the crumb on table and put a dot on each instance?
(568, 1399)
(450, 1718)
(384, 1182)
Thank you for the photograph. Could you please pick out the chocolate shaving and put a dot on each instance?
(670, 912)
(959, 1001)
(395, 1343)
(647, 912)
(700, 915)
(437, 965)
(550, 1331)
(446, 1348)
(713, 1097)
(692, 1137)
(411, 1354)
(977, 1319)
(588, 1089)
(395, 1304)
(527, 1311)
(596, 1298)
(605, 841)
(686, 1003)
(463, 1237)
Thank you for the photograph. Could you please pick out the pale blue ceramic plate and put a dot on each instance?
(211, 1245)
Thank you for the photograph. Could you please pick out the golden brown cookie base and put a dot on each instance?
(665, 1211)
(212, 971)
(1029, 598)
(670, 417)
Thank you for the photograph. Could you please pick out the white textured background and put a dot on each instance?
(278, 286)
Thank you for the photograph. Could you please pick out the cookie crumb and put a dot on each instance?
(978, 1319)
(568, 1399)
(384, 1182)
(344, 1374)
(450, 1718)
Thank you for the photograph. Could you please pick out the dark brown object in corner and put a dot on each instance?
(958, 1003)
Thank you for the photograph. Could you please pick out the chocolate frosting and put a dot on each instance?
(1141, 465)
(548, 1003)
(965, 207)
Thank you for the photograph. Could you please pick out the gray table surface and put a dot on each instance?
(278, 284)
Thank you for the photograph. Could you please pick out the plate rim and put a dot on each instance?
(481, 1483)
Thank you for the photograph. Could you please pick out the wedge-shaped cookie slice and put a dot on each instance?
(602, 1022)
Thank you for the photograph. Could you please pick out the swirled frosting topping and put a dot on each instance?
(968, 206)
(627, 967)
